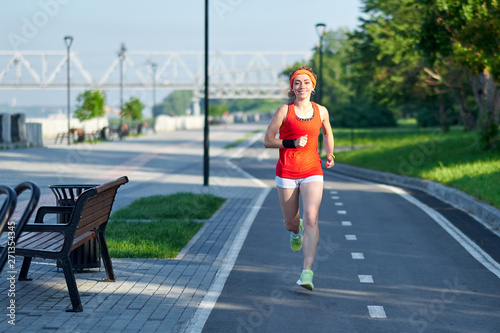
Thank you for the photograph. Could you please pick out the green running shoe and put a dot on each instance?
(306, 280)
(296, 241)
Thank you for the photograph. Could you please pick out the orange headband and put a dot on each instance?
(302, 71)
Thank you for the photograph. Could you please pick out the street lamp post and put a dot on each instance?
(123, 50)
(320, 30)
(153, 69)
(206, 164)
(68, 40)
(351, 109)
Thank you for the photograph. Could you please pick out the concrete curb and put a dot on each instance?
(485, 213)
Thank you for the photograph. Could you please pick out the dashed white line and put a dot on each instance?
(339, 204)
(357, 255)
(335, 197)
(346, 223)
(365, 278)
(341, 212)
(376, 311)
(351, 237)
(333, 192)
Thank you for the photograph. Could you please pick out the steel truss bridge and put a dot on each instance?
(231, 74)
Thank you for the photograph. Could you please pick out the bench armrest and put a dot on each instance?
(42, 211)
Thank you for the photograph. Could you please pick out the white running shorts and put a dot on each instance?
(295, 183)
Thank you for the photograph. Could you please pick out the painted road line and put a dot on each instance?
(204, 309)
(335, 197)
(341, 212)
(376, 311)
(357, 255)
(479, 254)
(365, 278)
(351, 237)
(339, 204)
(333, 192)
(346, 223)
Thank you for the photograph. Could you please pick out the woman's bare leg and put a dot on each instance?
(311, 194)
(289, 202)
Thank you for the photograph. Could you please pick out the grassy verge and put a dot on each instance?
(170, 224)
(454, 159)
(237, 142)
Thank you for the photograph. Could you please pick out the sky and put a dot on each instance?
(100, 27)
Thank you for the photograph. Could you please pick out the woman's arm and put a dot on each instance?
(270, 140)
(328, 139)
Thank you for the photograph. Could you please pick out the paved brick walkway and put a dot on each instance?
(149, 295)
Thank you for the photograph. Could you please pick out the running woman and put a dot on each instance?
(299, 171)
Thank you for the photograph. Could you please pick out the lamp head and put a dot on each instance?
(320, 29)
(68, 40)
(123, 49)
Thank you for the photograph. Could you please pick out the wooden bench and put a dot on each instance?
(11, 230)
(88, 219)
(6, 211)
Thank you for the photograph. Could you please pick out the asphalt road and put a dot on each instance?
(383, 265)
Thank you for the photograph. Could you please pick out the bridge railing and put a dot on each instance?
(231, 73)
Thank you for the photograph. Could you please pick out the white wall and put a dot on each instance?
(52, 127)
(165, 123)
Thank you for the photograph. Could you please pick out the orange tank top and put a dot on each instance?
(300, 162)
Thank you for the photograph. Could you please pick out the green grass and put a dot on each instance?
(454, 159)
(170, 222)
(233, 144)
(237, 142)
(155, 239)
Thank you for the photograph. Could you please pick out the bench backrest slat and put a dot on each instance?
(96, 211)
(96, 208)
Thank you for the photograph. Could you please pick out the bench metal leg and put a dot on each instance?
(23, 275)
(65, 263)
(106, 259)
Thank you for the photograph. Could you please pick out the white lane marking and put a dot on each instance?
(474, 250)
(376, 311)
(341, 212)
(335, 197)
(264, 155)
(207, 304)
(339, 204)
(333, 192)
(351, 237)
(346, 223)
(478, 253)
(239, 152)
(357, 255)
(365, 278)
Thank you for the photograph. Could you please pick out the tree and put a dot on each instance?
(217, 110)
(133, 109)
(397, 72)
(349, 97)
(176, 103)
(468, 33)
(90, 105)
(249, 104)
